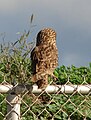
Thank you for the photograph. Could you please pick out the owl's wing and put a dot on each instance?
(34, 59)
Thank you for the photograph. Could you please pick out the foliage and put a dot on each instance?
(15, 64)
(75, 75)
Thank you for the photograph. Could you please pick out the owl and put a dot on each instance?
(44, 57)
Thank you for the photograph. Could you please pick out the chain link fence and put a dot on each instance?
(66, 98)
(56, 102)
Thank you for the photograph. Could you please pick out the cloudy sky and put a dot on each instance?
(70, 18)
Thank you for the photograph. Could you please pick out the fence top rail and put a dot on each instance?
(67, 89)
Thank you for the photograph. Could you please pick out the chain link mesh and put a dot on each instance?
(46, 106)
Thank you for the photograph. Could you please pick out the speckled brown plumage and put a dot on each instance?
(44, 57)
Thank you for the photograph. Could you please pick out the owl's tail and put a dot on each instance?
(43, 82)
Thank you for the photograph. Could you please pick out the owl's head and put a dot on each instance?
(47, 35)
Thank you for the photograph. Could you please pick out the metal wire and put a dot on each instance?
(60, 102)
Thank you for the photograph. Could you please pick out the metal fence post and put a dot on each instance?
(13, 107)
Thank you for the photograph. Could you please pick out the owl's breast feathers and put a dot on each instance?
(44, 60)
